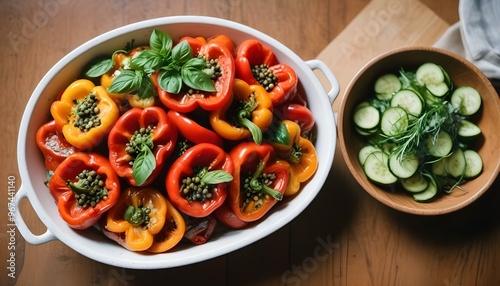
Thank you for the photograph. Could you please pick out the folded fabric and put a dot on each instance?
(476, 36)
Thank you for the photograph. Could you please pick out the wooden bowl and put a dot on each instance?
(462, 72)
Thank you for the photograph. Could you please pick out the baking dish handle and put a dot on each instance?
(23, 228)
(323, 68)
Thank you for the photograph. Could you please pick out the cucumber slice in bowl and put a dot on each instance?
(429, 74)
(366, 117)
(434, 78)
(377, 170)
(456, 164)
(365, 152)
(409, 101)
(394, 121)
(415, 184)
(468, 131)
(440, 145)
(466, 99)
(403, 167)
(429, 193)
(386, 86)
(474, 164)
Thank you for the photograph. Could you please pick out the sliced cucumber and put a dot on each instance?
(438, 167)
(362, 104)
(466, 99)
(365, 132)
(386, 86)
(440, 145)
(429, 193)
(439, 90)
(474, 164)
(405, 167)
(456, 164)
(394, 121)
(367, 117)
(429, 74)
(377, 170)
(409, 101)
(365, 152)
(468, 129)
(415, 184)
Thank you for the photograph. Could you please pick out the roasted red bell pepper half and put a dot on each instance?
(225, 215)
(248, 114)
(136, 218)
(140, 143)
(218, 59)
(54, 147)
(191, 132)
(256, 64)
(196, 182)
(299, 114)
(258, 181)
(199, 230)
(84, 186)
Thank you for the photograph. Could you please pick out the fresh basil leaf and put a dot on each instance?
(126, 82)
(216, 177)
(100, 68)
(147, 60)
(161, 42)
(182, 53)
(196, 63)
(144, 165)
(170, 81)
(197, 79)
(280, 134)
(146, 89)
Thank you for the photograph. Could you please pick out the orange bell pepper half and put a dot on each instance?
(139, 214)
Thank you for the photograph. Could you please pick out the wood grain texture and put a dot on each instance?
(344, 238)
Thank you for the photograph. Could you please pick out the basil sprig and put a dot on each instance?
(102, 66)
(176, 64)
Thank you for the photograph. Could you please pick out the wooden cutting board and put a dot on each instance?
(381, 26)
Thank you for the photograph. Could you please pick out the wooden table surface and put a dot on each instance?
(345, 237)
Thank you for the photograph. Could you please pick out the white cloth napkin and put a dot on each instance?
(476, 36)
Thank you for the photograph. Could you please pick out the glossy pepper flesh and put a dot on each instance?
(258, 184)
(84, 187)
(136, 130)
(139, 214)
(192, 132)
(248, 114)
(85, 114)
(196, 181)
(256, 64)
(54, 147)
